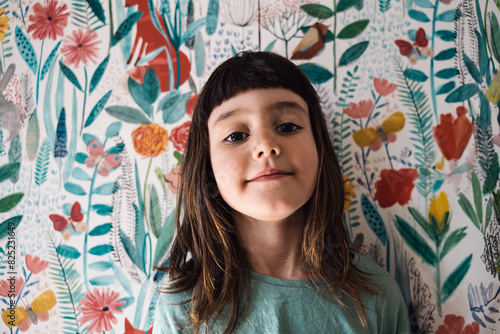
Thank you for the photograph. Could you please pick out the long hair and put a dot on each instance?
(206, 258)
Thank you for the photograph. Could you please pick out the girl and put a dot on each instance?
(260, 244)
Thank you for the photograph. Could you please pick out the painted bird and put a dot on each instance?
(312, 43)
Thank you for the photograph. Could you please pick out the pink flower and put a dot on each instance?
(383, 87)
(5, 287)
(81, 46)
(48, 20)
(35, 264)
(99, 308)
(360, 109)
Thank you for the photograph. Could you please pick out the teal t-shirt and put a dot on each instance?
(278, 306)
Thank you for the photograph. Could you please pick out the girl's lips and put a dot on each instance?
(269, 175)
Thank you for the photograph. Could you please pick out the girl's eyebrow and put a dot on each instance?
(279, 107)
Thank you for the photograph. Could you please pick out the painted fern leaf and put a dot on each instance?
(412, 95)
(64, 275)
(485, 150)
(27, 96)
(15, 155)
(42, 163)
(83, 16)
(124, 216)
(384, 5)
(60, 150)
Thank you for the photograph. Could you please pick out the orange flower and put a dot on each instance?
(455, 325)
(348, 192)
(35, 264)
(150, 140)
(452, 135)
(359, 110)
(383, 87)
(4, 24)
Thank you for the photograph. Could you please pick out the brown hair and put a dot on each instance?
(206, 258)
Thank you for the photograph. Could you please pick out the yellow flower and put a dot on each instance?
(438, 209)
(348, 192)
(150, 140)
(3, 24)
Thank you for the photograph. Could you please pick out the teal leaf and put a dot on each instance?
(353, 53)
(318, 11)
(81, 157)
(68, 251)
(107, 188)
(101, 229)
(173, 106)
(9, 225)
(9, 202)
(128, 300)
(453, 240)
(447, 73)
(473, 70)
(415, 75)
(483, 54)
(269, 46)
(155, 212)
(489, 213)
(102, 280)
(448, 16)
(113, 130)
(87, 138)
(26, 50)
(68, 73)
(424, 3)
(373, 219)
(485, 112)
(8, 170)
(354, 29)
(462, 168)
(80, 174)
(74, 188)
(103, 209)
(99, 72)
(96, 7)
(165, 238)
(193, 29)
(150, 56)
(492, 176)
(316, 73)
(101, 249)
(140, 96)
(446, 35)
(126, 26)
(131, 250)
(462, 93)
(424, 224)
(122, 278)
(344, 5)
(97, 109)
(48, 61)
(495, 36)
(117, 149)
(100, 266)
(200, 54)
(128, 114)
(151, 85)
(446, 88)
(212, 16)
(446, 54)
(418, 15)
(478, 197)
(453, 281)
(415, 241)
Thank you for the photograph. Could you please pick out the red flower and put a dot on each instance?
(49, 20)
(5, 287)
(190, 105)
(452, 135)
(383, 87)
(395, 186)
(178, 136)
(455, 325)
(359, 110)
(81, 46)
(99, 308)
(35, 264)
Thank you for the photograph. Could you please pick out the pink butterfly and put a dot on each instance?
(105, 161)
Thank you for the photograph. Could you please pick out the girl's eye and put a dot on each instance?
(235, 137)
(288, 127)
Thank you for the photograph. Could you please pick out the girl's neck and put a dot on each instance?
(272, 248)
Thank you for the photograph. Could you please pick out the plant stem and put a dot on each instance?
(144, 194)
(38, 73)
(84, 100)
(438, 283)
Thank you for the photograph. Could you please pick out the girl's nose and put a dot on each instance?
(266, 146)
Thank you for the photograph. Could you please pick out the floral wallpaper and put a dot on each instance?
(96, 99)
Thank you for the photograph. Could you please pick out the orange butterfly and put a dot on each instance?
(75, 219)
(106, 161)
(22, 318)
(386, 132)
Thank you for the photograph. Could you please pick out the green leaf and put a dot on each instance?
(318, 11)
(48, 61)
(103, 280)
(100, 230)
(9, 225)
(68, 251)
(269, 47)
(8, 170)
(131, 250)
(447, 73)
(424, 3)
(492, 176)
(113, 130)
(446, 88)
(489, 213)
(415, 75)
(9, 202)
(473, 70)
(126, 26)
(353, 53)
(122, 278)
(97, 109)
(424, 224)
(102, 209)
(354, 29)
(173, 106)
(74, 188)
(462, 169)
(415, 241)
(26, 50)
(68, 73)
(96, 7)
(453, 281)
(193, 29)
(140, 96)
(100, 266)
(478, 197)
(128, 114)
(446, 35)
(462, 93)
(166, 236)
(495, 36)
(446, 54)
(99, 72)
(155, 212)
(418, 15)
(106, 189)
(101, 249)
(316, 73)
(448, 16)
(344, 5)
(80, 174)
(151, 85)
(453, 240)
(466, 206)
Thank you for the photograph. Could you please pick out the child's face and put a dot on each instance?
(263, 153)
